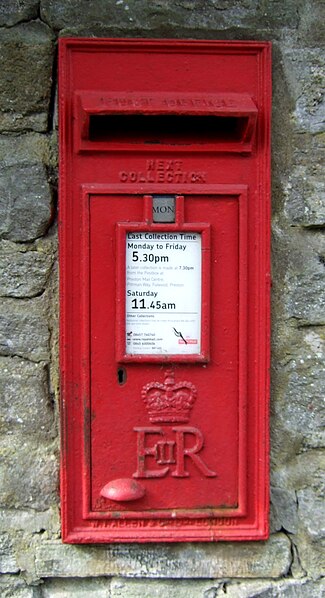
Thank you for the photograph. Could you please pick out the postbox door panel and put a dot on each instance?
(191, 462)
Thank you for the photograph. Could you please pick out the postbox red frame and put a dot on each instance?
(82, 520)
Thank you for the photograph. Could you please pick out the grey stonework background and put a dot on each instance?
(33, 561)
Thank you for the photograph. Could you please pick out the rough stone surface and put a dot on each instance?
(305, 76)
(26, 71)
(312, 512)
(81, 588)
(24, 330)
(27, 149)
(184, 14)
(25, 202)
(304, 473)
(30, 521)
(305, 195)
(305, 281)
(25, 405)
(312, 23)
(15, 11)
(301, 410)
(287, 589)
(122, 588)
(16, 587)
(311, 555)
(7, 558)
(28, 474)
(300, 471)
(23, 273)
(270, 559)
(284, 510)
(27, 166)
(134, 588)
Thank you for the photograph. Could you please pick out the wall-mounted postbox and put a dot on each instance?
(164, 234)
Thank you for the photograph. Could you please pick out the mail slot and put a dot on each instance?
(164, 274)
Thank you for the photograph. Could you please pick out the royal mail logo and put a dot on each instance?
(169, 402)
(168, 451)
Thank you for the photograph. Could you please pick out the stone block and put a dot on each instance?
(26, 149)
(266, 589)
(306, 79)
(298, 408)
(271, 14)
(25, 404)
(26, 57)
(303, 182)
(188, 15)
(311, 555)
(15, 11)
(25, 202)
(23, 329)
(312, 23)
(25, 195)
(245, 559)
(312, 512)
(28, 474)
(23, 273)
(305, 194)
(301, 471)
(8, 562)
(284, 510)
(78, 588)
(305, 279)
(15, 587)
(30, 522)
(124, 588)
(305, 474)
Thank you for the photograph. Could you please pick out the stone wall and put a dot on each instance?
(33, 561)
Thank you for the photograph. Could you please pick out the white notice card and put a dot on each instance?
(163, 293)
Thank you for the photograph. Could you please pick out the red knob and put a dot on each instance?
(123, 489)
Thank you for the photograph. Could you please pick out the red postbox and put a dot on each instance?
(164, 269)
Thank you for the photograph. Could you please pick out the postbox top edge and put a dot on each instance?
(173, 44)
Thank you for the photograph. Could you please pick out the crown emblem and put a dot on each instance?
(169, 402)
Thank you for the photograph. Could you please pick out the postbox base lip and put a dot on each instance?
(167, 536)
